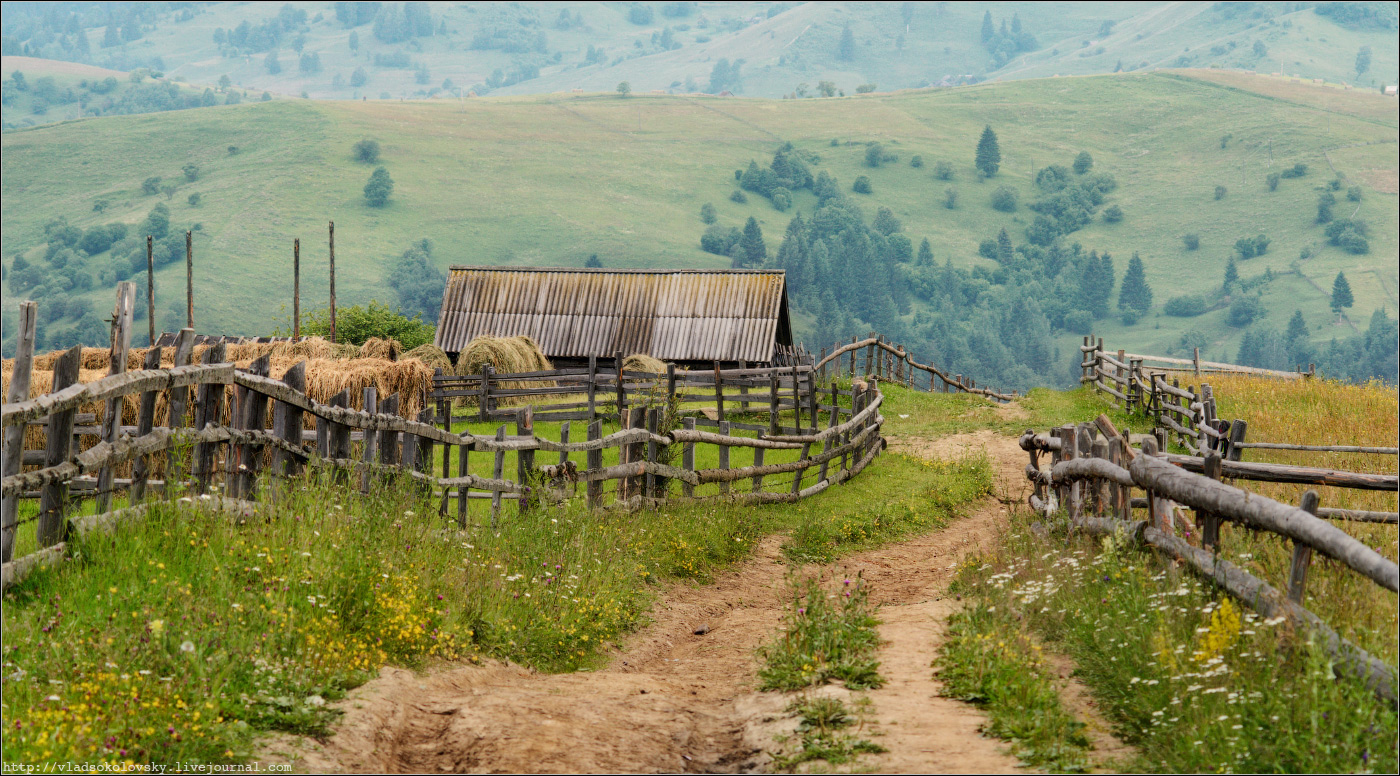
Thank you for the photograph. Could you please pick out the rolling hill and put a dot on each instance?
(550, 180)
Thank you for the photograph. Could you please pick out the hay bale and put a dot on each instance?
(506, 355)
(375, 347)
(641, 362)
(432, 355)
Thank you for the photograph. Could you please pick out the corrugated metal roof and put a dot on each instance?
(675, 315)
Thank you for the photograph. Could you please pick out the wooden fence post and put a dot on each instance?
(145, 421)
(1104, 501)
(498, 469)
(773, 403)
(1208, 522)
(388, 442)
(1302, 554)
(758, 462)
(592, 388)
(594, 462)
(286, 423)
(370, 399)
(483, 407)
(525, 459)
(852, 354)
(651, 426)
(426, 444)
(208, 412)
(53, 498)
(719, 395)
(688, 459)
(463, 469)
(564, 440)
(1238, 428)
(724, 456)
(621, 388)
(254, 418)
(670, 386)
(20, 380)
(112, 420)
(1122, 494)
(1069, 445)
(179, 403)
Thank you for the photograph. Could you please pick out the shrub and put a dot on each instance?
(1220, 192)
(874, 155)
(1053, 178)
(1296, 171)
(862, 185)
(950, 198)
(782, 199)
(355, 324)
(916, 161)
(1272, 179)
(739, 196)
(193, 199)
(191, 171)
(1131, 316)
(1354, 194)
(1113, 214)
(943, 171)
(1004, 199)
(1191, 241)
(707, 213)
(379, 187)
(151, 185)
(1078, 321)
(1350, 236)
(1185, 306)
(1246, 310)
(1083, 163)
(366, 151)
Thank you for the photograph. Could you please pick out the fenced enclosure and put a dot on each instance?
(233, 434)
(1093, 471)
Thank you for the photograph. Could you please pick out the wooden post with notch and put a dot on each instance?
(369, 397)
(254, 418)
(145, 421)
(498, 469)
(53, 497)
(286, 423)
(122, 315)
(13, 449)
(525, 459)
(1302, 554)
(1207, 522)
(724, 455)
(209, 411)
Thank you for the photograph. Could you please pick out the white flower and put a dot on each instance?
(405, 514)
(187, 646)
(315, 700)
(53, 697)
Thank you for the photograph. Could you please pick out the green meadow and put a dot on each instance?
(549, 180)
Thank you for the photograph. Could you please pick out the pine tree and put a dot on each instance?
(925, 258)
(792, 254)
(988, 31)
(988, 153)
(847, 50)
(1341, 293)
(755, 252)
(1297, 328)
(1232, 273)
(1135, 293)
(1004, 251)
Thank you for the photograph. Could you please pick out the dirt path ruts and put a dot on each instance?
(671, 700)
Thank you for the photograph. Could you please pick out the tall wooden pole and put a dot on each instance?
(189, 280)
(296, 290)
(332, 281)
(150, 293)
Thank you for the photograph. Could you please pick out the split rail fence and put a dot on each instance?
(1092, 475)
(1187, 417)
(232, 433)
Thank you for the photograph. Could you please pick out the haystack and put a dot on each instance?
(506, 355)
(641, 362)
(432, 355)
(375, 347)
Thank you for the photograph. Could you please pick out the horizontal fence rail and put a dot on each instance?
(1093, 471)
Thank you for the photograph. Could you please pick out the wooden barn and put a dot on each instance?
(691, 317)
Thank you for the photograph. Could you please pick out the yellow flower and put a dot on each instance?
(157, 627)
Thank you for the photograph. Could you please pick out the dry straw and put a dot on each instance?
(641, 362)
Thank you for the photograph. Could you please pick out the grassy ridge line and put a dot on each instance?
(1300, 99)
(511, 181)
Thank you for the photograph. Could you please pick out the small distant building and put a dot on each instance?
(692, 317)
(1390, 91)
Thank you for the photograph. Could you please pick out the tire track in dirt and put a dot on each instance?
(671, 700)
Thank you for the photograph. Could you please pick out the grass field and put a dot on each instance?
(550, 180)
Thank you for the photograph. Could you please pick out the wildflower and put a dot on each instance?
(187, 646)
(157, 627)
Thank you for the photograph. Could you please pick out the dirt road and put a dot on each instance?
(672, 700)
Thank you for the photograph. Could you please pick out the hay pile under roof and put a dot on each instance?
(641, 362)
(375, 347)
(506, 355)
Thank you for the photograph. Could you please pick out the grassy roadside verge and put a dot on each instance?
(183, 636)
(1191, 678)
(988, 661)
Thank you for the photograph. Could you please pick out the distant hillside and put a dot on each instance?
(553, 180)
(325, 50)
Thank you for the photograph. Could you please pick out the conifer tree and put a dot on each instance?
(1135, 293)
(925, 258)
(987, 29)
(1232, 273)
(1341, 293)
(755, 252)
(1004, 251)
(847, 51)
(988, 153)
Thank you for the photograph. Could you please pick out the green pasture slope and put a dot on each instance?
(548, 180)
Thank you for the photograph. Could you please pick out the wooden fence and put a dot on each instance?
(1093, 471)
(893, 363)
(229, 445)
